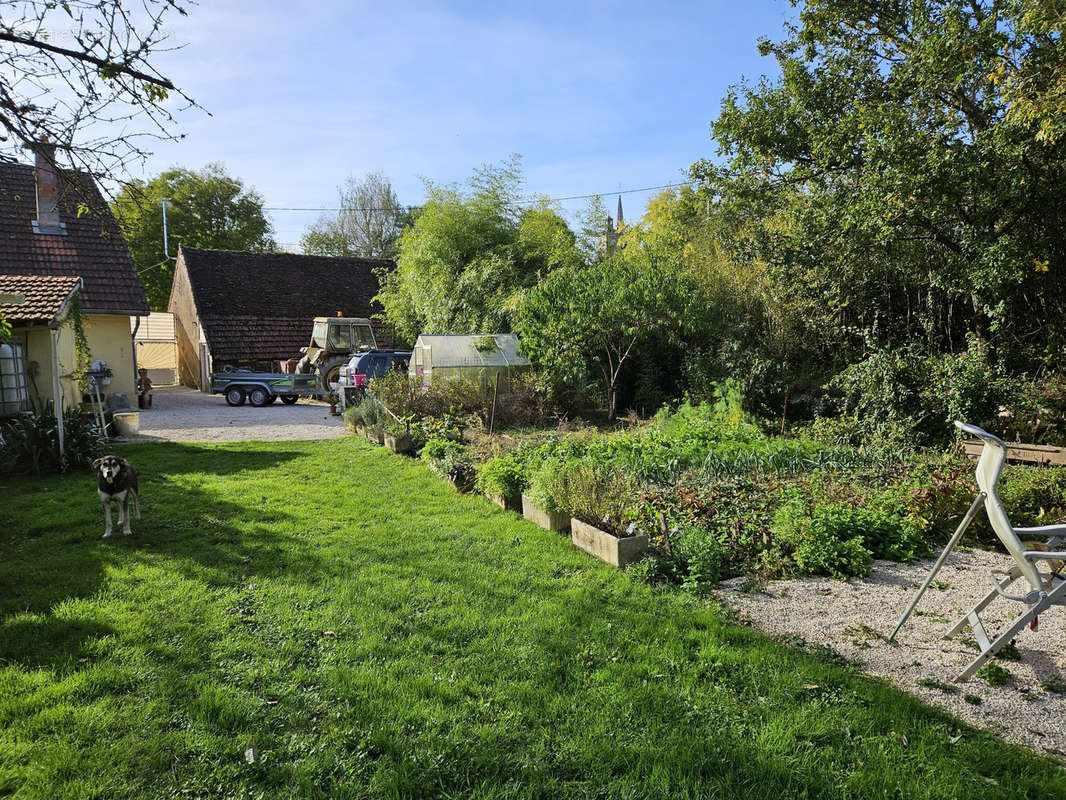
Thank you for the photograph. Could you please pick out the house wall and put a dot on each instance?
(186, 327)
(38, 342)
(108, 337)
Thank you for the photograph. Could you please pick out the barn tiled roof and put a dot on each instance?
(45, 296)
(93, 246)
(260, 306)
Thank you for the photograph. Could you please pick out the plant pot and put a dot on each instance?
(398, 444)
(509, 502)
(549, 520)
(617, 551)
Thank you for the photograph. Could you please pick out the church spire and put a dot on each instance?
(618, 217)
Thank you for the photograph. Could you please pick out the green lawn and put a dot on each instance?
(375, 635)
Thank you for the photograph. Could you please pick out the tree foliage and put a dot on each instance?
(593, 316)
(883, 194)
(206, 208)
(80, 73)
(465, 263)
(368, 223)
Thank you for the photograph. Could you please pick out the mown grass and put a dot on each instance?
(372, 634)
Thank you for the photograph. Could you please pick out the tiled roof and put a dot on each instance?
(93, 246)
(45, 296)
(260, 306)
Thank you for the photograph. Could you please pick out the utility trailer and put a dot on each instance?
(263, 388)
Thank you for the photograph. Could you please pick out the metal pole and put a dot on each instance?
(166, 251)
(57, 393)
(977, 503)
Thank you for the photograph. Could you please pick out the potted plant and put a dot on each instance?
(397, 437)
(544, 502)
(353, 420)
(601, 496)
(501, 480)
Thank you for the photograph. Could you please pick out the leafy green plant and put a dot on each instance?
(993, 674)
(816, 545)
(450, 460)
(31, 444)
(501, 476)
(547, 484)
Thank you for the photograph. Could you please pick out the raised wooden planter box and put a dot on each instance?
(605, 546)
(549, 520)
(398, 444)
(511, 502)
(1017, 451)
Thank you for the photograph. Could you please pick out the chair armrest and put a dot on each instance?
(1042, 530)
(1044, 555)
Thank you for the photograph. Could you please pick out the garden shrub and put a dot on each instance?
(816, 545)
(448, 459)
(1033, 411)
(700, 554)
(31, 444)
(547, 484)
(502, 476)
(372, 412)
(600, 494)
(353, 419)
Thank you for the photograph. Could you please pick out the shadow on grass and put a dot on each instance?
(52, 553)
(42, 641)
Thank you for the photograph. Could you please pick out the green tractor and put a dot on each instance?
(333, 340)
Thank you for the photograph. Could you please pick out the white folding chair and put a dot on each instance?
(1043, 592)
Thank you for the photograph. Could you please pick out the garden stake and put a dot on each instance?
(977, 503)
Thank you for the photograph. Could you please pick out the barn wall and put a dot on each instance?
(186, 326)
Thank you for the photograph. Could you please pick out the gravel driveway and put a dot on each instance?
(180, 414)
(856, 617)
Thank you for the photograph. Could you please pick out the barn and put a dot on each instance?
(241, 309)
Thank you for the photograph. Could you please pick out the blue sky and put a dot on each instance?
(595, 96)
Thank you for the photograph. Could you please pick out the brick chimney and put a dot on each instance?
(47, 189)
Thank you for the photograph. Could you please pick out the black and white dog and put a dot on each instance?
(117, 480)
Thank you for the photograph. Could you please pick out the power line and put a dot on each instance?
(530, 201)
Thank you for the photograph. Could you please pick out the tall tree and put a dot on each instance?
(593, 316)
(80, 72)
(884, 188)
(368, 222)
(206, 208)
(464, 264)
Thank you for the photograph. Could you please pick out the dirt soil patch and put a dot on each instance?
(856, 618)
(180, 414)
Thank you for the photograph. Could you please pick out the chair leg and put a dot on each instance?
(1002, 640)
(964, 620)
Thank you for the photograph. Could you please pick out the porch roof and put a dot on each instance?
(45, 297)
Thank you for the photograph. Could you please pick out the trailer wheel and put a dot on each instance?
(289, 399)
(235, 396)
(260, 397)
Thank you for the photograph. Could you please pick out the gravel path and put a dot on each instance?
(855, 619)
(180, 414)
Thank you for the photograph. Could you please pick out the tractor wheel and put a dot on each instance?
(235, 396)
(329, 371)
(260, 397)
(289, 399)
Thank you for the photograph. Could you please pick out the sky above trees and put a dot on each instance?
(596, 96)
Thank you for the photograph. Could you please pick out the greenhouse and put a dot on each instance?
(485, 358)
